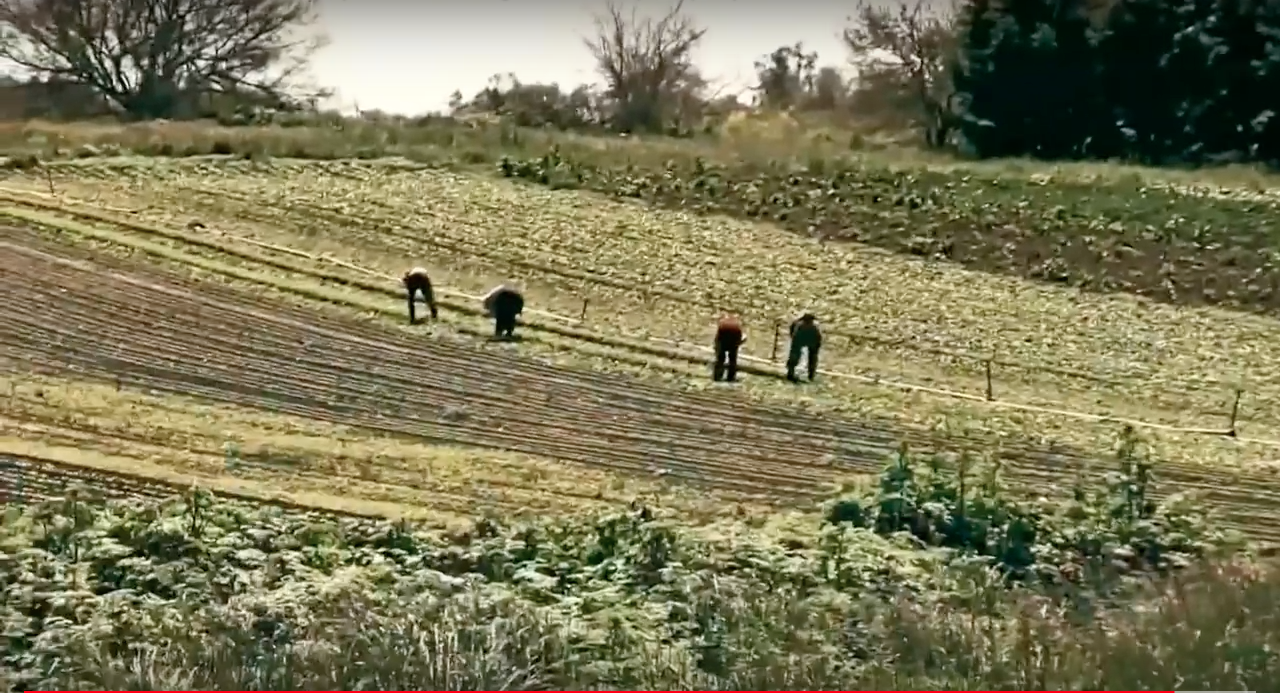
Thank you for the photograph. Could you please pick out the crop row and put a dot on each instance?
(455, 238)
(446, 489)
(135, 331)
(1215, 422)
(1163, 244)
(404, 213)
(26, 479)
(254, 352)
(33, 479)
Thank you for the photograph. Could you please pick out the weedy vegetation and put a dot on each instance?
(937, 576)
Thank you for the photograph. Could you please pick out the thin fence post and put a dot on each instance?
(777, 333)
(1235, 412)
(583, 316)
(991, 393)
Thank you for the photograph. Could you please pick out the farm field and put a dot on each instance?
(1184, 237)
(412, 608)
(140, 333)
(588, 510)
(51, 425)
(660, 273)
(81, 304)
(1174, 239)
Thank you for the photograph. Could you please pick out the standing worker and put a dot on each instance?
(504, 303)
(416, 280)
(804, 335)
(728, 339)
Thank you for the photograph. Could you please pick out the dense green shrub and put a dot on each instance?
(1109, 530)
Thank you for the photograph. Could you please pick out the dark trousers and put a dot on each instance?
(412, 311)
(726, 362)
(793, 360)
(504, 323)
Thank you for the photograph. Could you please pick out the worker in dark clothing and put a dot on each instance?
(805, 336)
(504, 303)
(728, 339)
(415, 281)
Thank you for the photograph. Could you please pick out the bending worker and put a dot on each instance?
(728, 339)
(416, 281)
(806, 336)
(503, 303)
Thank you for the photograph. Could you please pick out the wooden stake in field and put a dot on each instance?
(991, 393)
(777, 334)
(1235, 412)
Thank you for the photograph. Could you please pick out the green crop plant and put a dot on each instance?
(1172, 244)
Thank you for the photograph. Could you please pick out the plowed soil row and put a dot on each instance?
(233, 347)
(31, 479)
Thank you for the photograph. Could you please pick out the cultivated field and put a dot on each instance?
(236, 322)
(112, 430)
(113, 286)
(653, 275)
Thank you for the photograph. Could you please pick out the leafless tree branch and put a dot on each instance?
(150, 57)
(646, 63)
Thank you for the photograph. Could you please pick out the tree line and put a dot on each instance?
(1158, 81)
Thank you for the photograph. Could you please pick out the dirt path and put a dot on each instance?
(153, 331)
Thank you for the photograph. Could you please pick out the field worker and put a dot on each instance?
(504, 303)
(416, 281)
(728, 339)
(806, 336)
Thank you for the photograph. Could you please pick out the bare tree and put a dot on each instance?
(150, 57)
(785, 76)
(902, 50)
(647, 65)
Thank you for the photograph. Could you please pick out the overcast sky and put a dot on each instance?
(407, 57)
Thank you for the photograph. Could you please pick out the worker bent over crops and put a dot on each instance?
(504, 303)
(415, 281)
(728, 339)
(805, 336)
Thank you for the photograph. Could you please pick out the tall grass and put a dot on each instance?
(1217, 628)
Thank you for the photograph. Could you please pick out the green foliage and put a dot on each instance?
(1161, 82)
(788, 77)
(107, 583)
(1104, 531)
(1042, 55)
(197, 593)
(1157, 242)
